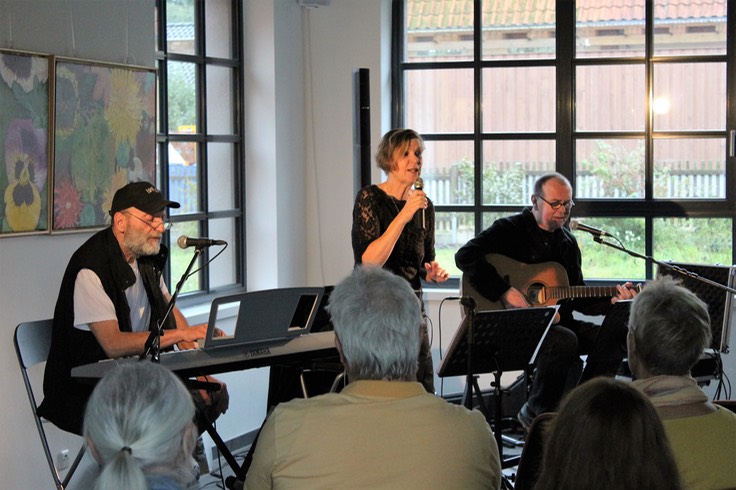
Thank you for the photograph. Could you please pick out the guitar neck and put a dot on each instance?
(564, 292)
(543, 284)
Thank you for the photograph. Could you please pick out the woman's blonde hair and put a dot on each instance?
(396, 139)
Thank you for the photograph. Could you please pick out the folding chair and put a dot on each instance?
(32, 344)
(727, 404)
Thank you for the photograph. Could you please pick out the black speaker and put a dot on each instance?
(717, 299)
(361, 129)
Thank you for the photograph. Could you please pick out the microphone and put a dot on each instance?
(469, 302)
(419, 216)
(186, 242)
(577, 225)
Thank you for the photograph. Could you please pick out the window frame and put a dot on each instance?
(201, 139)
(565, 134)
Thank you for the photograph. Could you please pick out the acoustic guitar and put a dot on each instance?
(542, 284)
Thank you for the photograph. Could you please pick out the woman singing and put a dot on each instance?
(393, 225)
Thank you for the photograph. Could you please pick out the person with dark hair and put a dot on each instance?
(383, 430)
(538, 236)
(393, 224)
(139, 427)
(112, 296)
(669, 328)
(607, 435)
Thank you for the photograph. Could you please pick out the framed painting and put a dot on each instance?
(104, 137)
(24, 142)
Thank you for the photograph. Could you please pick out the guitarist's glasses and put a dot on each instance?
(557, 204)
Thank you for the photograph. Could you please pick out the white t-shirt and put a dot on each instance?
(92, 304)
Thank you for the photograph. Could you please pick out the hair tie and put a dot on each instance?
(127, 449)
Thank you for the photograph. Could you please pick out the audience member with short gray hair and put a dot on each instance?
(669, 327)
(139, 426)
(378, 343)
(383, 430)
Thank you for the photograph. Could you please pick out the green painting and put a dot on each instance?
(104, 137)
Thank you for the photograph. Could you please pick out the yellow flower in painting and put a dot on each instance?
(22, 200)
(119, 179)
(124, 110)
(26, 168)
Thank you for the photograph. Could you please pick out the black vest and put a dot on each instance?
(64, 396)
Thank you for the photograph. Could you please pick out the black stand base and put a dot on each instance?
(493, 404)
(203, 421)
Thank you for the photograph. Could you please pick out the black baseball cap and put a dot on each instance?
(140, 195)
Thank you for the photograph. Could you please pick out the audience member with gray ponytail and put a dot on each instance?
(139, 426)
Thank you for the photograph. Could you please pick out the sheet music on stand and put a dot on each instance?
(504, 340)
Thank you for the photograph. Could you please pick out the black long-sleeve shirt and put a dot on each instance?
(520, 238)
(373, 212)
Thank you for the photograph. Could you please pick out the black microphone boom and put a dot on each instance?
(186, 242)
(577, 225)
(419, 216)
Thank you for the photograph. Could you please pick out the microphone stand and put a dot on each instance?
(678, 269)
(470, 382)
(153, 343)
(153, 347)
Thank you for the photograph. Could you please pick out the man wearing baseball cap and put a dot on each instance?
(112, 295)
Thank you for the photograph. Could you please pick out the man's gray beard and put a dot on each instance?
(141, 249)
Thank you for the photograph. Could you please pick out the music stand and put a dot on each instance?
(697, 278)
(501, 340)
(718, 301)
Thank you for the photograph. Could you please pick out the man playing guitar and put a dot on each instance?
(537, 235)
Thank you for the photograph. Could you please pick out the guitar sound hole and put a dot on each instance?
(537, 294)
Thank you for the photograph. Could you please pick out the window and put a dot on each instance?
(628, 99)
(200, 135)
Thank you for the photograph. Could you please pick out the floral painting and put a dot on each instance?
(104, 137)
(24, 155)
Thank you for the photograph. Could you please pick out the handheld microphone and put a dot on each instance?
(186, 242)
(577, 225)
(419, 216)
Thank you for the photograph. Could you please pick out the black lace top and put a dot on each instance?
(373, 212)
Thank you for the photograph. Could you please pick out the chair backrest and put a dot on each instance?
(530, 463)
(32, 345)
(33, 342)
(728, 404)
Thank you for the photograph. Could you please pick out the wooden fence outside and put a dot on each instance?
(684, 180)
(681, 181)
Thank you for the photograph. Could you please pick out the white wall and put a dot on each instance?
(340, 39)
